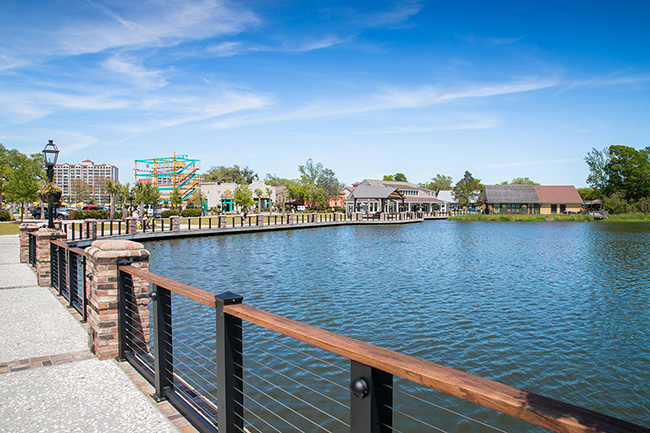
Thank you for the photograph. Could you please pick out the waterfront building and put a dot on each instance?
(531, 199)
(220, 194)
(410, 197)
(93, 176)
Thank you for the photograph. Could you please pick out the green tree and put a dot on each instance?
(398, 177)
(175, 198)
(467, 189)
(146, 194)
(523, 181)
(316, 185)
(439, 183)
(597, 161)
(233, 174)
(126, 192)
(243, 196)
(588, 194)
(23, 177)
(113, 189)
(628, 171)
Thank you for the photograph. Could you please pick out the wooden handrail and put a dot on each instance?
(533, 408)
(205, 298)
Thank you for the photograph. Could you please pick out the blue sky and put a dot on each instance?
(499, 88)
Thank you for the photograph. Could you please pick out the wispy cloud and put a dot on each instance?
(135, 73)
(489, 41)
(390, 99)
(396, 15)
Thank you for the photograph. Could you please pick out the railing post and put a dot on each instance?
(371, 399)
(175, 223)
(230, 397)
(25, 230)
(43, 254)
(162, 341)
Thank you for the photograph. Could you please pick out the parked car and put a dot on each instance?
(62, 213)
(94, 208)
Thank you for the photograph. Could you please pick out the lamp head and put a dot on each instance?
(50, 153)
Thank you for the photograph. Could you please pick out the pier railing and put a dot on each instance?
(68, 275)
(224, 365)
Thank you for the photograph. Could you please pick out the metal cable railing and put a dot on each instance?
(257, 372)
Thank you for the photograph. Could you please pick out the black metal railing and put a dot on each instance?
(31, 257)
(265, 372)
(68, 275)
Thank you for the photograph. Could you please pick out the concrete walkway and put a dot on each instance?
(49, 379)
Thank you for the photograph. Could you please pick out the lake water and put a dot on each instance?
(560, 309)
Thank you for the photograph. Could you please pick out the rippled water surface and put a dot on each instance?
(560, 309)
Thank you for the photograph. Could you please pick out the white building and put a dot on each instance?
(220, 195)
(94, 175)
(412, 197)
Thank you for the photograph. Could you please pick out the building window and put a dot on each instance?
(562, 208)
(553, 208)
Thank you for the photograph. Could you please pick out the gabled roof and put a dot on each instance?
(510, 194)
(390, 183)
(447, 196)
(558, 194)
(366, 191)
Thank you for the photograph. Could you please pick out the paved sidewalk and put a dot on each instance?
(50, 381)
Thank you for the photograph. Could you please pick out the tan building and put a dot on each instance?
(531, 199)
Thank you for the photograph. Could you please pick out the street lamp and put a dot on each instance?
(50, 154)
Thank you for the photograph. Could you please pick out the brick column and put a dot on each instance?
(25, 230)
(175, 221)
(101, 264)
(43, 238)
(290, 218)
(91, 228)
(222, 221)
(337, 216)
(131, 225)
(260, 220)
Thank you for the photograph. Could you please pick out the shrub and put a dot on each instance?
(99, 214)
(5, 215)
(168, 213)
(192, 213)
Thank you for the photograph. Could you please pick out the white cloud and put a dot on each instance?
(135, 72)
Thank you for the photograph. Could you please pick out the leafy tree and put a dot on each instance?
(126, 192)
(467, 189)
(22, 176)
(113, 189)
(80, 191)
(621, 169)
(439, 183)
(588, 194)
(196, 199)
(175, 198)
(597, 161)
(233, 174)
(316, 184)
(616, 203)
(398, 177)
(274, 180)
(523, 181)
(146, 194)
(243, 196)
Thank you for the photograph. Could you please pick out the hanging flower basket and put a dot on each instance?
(50, 191)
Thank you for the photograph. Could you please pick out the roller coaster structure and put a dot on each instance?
(168, 173)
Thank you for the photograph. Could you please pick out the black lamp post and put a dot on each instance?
(50, 154)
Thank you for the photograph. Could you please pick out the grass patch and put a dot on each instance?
(529, 218)
(629, 217)
(9, 228)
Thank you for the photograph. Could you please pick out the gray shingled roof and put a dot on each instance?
(510, 194)
(365, 191)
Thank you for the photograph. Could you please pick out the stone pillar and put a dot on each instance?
(102, 288)
(25, 230)
(337, 216)
(290, 218)
(43, 238)
(260, 220)
(91, 228)
(223, 221)
(175, 222)
(131, 225)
